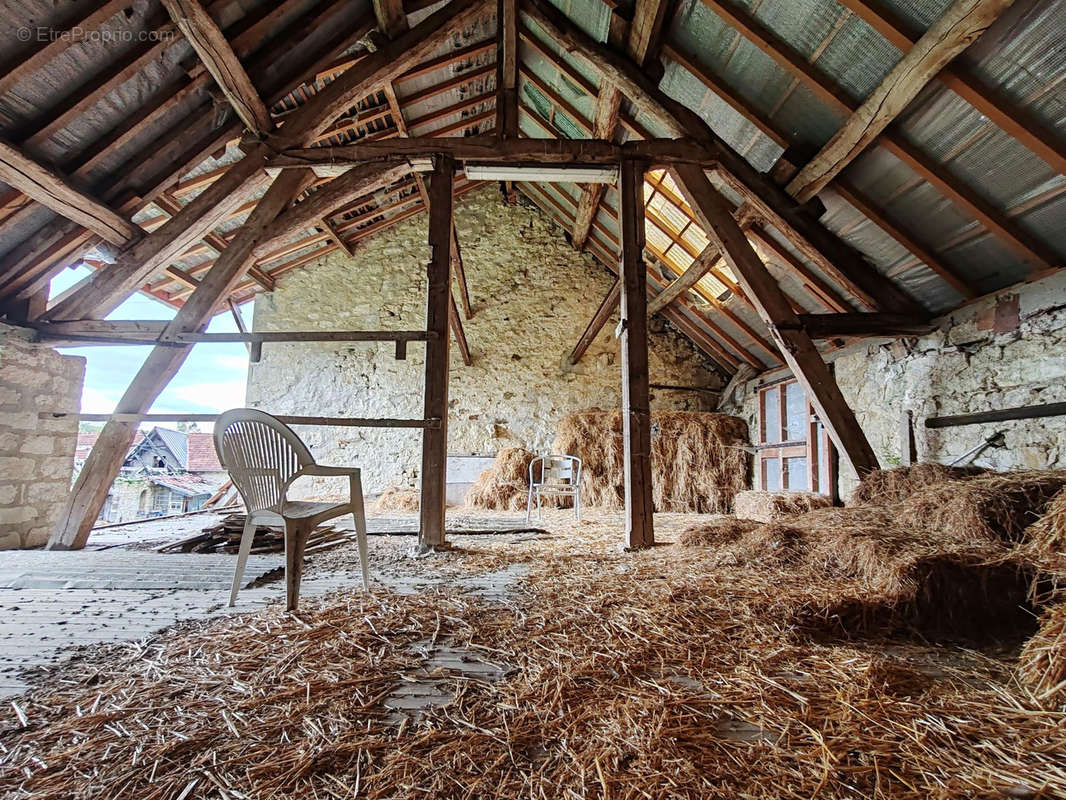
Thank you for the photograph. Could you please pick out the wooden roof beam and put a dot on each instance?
(847, 265)
(58, 194)
(1002, 111)
(953, 32)
(799, 352)
(111, 285)
(391, 17)
(937, 175)
(217, 56)
(507, 68)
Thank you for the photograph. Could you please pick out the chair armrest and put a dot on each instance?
(321, 470)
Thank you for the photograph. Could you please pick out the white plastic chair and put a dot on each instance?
(263, 457)
(559, 475)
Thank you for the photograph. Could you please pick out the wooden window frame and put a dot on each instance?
(816, 443)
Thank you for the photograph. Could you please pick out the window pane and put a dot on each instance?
(795, 412)
(771, 475)
(772, 415)
(796, 469)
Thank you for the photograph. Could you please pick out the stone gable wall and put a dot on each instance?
(533, 296)
(36, 456)
(1001, 352)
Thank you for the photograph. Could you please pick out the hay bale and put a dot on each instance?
(697, 462)
(990, 507)
(398, 498)
(505, 485)
(719, 530)
(1042, 664)
(770, 506)
(885, 486)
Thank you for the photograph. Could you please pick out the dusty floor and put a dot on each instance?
(531, 665)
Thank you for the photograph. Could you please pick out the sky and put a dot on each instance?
(211, 380)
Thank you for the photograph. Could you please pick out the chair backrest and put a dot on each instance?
(556, 470)
(261, 454)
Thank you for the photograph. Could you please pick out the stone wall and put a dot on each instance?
(1001, 352)
(533, 296)
(36, 456)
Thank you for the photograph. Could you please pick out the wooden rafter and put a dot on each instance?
(507, 68)
(794, 343)
(391, 17)
(111, 285)
(823, 87)
(1002, 111)
(953, 32)
(83, 505)
(58, 194)
(217, 56)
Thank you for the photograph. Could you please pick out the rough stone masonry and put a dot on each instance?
(533, 295)
(36, 455)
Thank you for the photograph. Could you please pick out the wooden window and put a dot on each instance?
(794, 452)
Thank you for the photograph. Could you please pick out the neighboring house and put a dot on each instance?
(165, 472)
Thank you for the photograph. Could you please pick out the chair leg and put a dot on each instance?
(242, 556)
(529, 503)
(359, 516)
(577, 504)
(296, 532)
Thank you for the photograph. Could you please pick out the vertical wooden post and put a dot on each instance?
(636, 412)
(435, 440)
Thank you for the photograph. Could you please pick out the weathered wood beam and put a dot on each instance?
(846, 264)
(455, 321)
(86, 498)
(829, 326)
(57, 193)
(607, 306)
(391, 17)
(795, 345)
(650, 18)
(703, 264)
(110, 286)
(1015, 120)
(507, 69)
(953, 32)
(937, 175)
(636, 410)
(438, 311)
(217, 56)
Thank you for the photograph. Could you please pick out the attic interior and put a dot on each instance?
(705, 437)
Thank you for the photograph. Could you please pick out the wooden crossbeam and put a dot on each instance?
(217, 56)
(828, 326)
(111, 285)
(784, 325)
(953, 32)
(507, 69)
(56, 192)
(90, 490)
(702, 264)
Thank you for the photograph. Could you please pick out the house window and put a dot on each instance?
(794, 452)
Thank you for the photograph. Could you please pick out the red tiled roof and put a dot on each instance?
(190, 485)
(202, 455)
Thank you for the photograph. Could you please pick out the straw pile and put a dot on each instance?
(770, 506)
(398, 498)
(697, 463)
(1042, 665)
(991, 507)
(1045, 542)
(718, 530)
(505, 485)
(886, 486)
(627, 675)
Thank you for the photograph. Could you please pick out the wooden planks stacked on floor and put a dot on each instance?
(225, 537)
